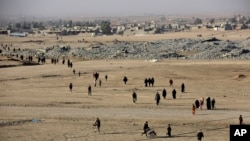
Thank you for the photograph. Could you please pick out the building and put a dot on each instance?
(18, 34)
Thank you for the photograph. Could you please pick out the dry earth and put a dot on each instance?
(36, 104)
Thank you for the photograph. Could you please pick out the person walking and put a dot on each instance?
(171, 82)
(169, 130)
(208, 103)
(106, 77)
(157, 98)
(152, 81)
(164, 93)
(241, 120)
(213, 103)
(174, 94)
(97, 124)
(145, 128)
(134, 96)
(182, 87)
(125, 79)
(200, 135)
(193, 109)
(197, 103)
(70, 87)
(89, 90)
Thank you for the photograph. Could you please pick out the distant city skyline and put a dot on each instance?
(121, 8)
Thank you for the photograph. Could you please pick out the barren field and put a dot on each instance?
(36, 103)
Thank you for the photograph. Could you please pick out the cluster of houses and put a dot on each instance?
(146, 28)
(149, 27)
(229, 26)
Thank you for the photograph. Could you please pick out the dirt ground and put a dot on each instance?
(36, 103)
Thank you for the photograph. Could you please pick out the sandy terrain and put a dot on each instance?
(40, 92)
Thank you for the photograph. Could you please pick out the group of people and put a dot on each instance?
(54, 60)
(157, 96)
(95, 75)
(199, 104)
(149, 82)
(210, 103)
(70, 63)
(149, 132)
(41, 59)
(164, 93)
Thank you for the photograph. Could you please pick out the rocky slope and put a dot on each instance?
(175, 48)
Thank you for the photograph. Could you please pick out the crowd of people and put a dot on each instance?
(149, 82)
(198, 104)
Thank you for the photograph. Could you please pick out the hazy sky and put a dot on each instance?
(93, 8)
